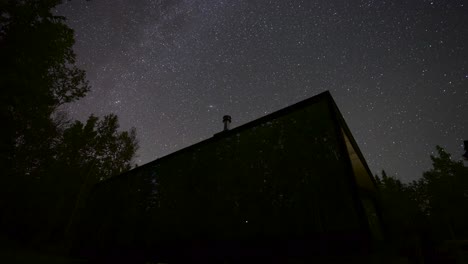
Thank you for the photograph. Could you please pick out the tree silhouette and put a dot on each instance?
(37, 75)
(97, 146)
(445, 189)
(47, 161)
(427, 212)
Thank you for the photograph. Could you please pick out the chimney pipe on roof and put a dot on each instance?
(227, 122)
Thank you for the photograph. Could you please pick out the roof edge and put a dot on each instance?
(323, 96)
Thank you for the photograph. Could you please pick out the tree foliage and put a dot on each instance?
(400, 204)
(433, 208)
(37, 75)
(47, 160)
(445, 192)
(99, 145)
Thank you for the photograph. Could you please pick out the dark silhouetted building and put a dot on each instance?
(292, 184)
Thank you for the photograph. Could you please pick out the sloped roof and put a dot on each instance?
(361, 169)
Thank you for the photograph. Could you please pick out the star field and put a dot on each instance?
(398, 71)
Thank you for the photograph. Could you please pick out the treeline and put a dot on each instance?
(47, 160)
(428, 218)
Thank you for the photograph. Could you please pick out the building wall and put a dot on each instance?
(281, 179)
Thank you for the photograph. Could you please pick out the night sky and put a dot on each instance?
(398, 70)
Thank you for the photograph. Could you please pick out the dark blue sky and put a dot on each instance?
(398, 70)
